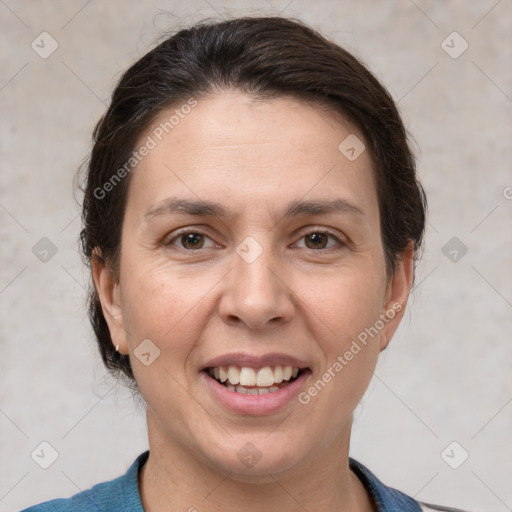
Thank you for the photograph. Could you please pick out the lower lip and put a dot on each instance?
(255, 404)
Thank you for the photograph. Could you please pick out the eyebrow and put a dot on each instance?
(174, 205)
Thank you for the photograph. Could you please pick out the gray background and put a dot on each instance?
(446, 375)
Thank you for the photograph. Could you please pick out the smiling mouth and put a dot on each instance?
(254, 381)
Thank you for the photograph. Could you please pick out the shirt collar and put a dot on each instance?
(385, 499)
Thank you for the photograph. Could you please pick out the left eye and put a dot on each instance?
(318, 240)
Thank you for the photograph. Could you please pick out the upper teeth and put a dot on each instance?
(246, 376)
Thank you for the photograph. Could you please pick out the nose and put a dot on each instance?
(256, 293)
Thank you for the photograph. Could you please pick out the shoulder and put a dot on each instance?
(91, 500)
(119, 494)
(387, 499)
(97, 499)
(436, 508)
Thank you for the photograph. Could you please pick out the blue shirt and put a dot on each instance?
(122, 494)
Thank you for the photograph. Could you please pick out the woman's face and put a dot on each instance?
(220, 267)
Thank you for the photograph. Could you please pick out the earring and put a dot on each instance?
(117, 347)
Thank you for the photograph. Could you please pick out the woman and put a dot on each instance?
(251, 219)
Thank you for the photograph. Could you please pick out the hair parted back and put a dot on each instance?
(265, 57)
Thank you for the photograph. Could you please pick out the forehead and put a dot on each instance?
(248, 151)
(232, 120)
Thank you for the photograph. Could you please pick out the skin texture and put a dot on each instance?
(306, 298)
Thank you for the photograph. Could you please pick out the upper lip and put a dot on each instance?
(255, 361)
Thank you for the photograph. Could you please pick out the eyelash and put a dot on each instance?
(179, 234)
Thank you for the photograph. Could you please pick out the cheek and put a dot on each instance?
(345, 310)
(163, 306)
(345, 302)
(340, 309)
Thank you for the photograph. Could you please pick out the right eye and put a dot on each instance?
(190, 240)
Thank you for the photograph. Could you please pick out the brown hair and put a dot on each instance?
(265, 57)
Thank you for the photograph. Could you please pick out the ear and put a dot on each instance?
(107, 288)
(397, 293)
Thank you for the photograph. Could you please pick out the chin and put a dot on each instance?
(255, 462)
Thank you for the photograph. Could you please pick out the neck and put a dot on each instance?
(174, 479)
